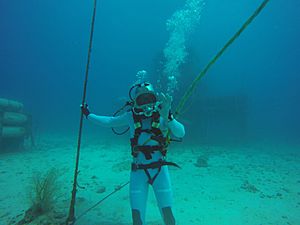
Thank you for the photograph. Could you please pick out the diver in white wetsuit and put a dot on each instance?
(150, 121)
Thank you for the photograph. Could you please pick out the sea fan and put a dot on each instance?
(42, 194)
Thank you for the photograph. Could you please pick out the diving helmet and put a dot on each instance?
(145, 99)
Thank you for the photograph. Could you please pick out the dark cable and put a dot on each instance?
(71, 217)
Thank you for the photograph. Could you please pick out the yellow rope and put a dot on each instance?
(192, 87)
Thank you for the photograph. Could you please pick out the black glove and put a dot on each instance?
(84, 109)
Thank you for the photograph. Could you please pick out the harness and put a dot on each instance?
(157, 136)
(147, 150)
(153, 165)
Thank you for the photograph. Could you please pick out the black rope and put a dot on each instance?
(99, 202)
(71, 217)
(128, 103)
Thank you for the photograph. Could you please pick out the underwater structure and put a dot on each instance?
(15, 125)
(224, 119)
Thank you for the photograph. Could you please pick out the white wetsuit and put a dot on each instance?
(138, 178)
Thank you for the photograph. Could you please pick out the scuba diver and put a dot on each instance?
(150, 121)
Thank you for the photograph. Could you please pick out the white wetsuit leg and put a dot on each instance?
(163, 189)
(139, 192)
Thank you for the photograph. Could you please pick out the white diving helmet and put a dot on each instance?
(145, 100)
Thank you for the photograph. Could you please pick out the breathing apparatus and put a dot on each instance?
(145, 99)
(143, 102)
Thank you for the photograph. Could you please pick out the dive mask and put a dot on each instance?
(146, 104)
(146, 109)
(145, 101)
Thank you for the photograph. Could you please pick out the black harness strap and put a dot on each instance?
(153, 165)
(152, 179)
(157, 136)
(148, 150)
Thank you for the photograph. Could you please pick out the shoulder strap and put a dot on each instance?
(155, 124)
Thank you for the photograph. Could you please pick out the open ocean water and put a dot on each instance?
(240, 154)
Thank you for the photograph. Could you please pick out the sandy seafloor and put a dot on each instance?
(257, 184)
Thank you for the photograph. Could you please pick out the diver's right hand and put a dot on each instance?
(85, 110)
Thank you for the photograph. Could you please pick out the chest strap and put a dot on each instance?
(147, 150)
(155, 133)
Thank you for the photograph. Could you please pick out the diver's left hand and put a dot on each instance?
(165, 106)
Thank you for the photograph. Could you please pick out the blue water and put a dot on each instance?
(43, 51)
(249, 98)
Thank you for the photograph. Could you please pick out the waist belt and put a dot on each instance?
(153, 165)
(147, 150)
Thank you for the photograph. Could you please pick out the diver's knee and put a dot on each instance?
(136, 217)
(168, 216)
